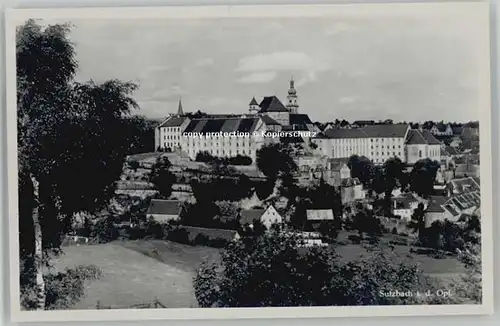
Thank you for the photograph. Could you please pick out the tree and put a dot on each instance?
(394, 174)
(205, 157)
(361, 168)
(417, 221)
(272, 270)
(264, 189)
(133, 165)
(139, 131)
(344, 123)
(64, 128)
(366, 222)
(161, 176)
(325, 196)
(63, 289)
(240, 160)
(469, 289)
(328, 230)
(275, 160)
(422, 177)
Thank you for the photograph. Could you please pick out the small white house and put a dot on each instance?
(267, 217)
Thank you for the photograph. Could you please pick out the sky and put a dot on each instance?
(405, 68)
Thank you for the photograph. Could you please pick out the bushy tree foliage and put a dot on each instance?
(161, 176)
(367, 223)
(222, 188)
(321, 196)
(66, 130)
(206, 157)
(275, 160)
(139, 130)
(422, 177)
(446, 236)
(394, 175)
(273, 270)
(264, 189)
(63, 289)
(361, 168)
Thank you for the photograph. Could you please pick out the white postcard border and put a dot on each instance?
(18, 16)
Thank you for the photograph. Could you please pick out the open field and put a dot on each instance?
(144, 270)
(131, 277)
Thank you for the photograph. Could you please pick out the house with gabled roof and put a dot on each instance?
(442, 129)
(421, 144)
(404, 206)
(267, 217)
(463, 185)
(452, 208)
(351, 191)
(164, 210)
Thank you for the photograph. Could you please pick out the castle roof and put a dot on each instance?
(253, 101)
(386, 130)
(272, 104)
(173, 121)
(421, 137)
(208, 125)
(299, 119)
(269, 121)
(372, 131)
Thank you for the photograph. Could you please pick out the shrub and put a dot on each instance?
(240, 160)
(355, 239)
(178, 235)
(105, 231)
(201, 240)
(133, 165)
(271, 270)
(62, 289)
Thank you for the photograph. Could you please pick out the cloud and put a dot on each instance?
(206, 62)
(259, 77)
(348, 99)
(164, 94)
(337, 28)
(306, 79)
(279, 61)
(304, 67)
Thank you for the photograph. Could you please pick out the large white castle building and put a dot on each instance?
(233, 134)
(379, 143)
(241, 134)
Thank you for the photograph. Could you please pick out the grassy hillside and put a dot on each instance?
(131, 277)
(141, 271)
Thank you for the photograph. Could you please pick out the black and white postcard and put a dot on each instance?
(306, 160)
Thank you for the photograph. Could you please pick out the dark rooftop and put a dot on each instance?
(173, 121)
(272, 104)
(164, 207)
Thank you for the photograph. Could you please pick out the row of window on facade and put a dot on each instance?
(393, 146)
(174, 137)
(382, 140)
(217, 152)
(387, 153)
(192, 143)
(172, 128)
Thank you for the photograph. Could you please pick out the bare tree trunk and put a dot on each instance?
(40, 283)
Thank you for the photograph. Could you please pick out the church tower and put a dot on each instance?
(180, 111)
(253, 106)
(292, 104)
